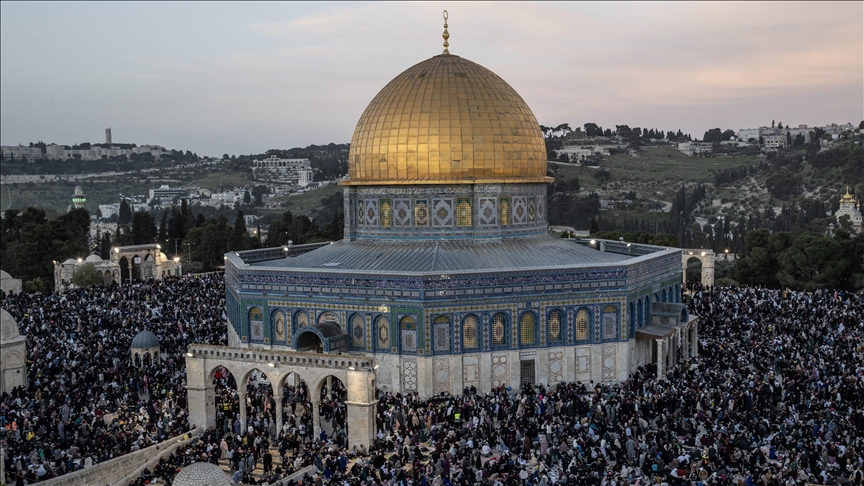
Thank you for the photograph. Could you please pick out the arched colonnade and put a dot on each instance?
(317, 370)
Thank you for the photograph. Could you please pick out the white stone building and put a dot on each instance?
(64, 271)
(13, 354)
(852, 208)
(9, 284)
(292, 171)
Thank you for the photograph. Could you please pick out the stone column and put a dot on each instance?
(661, 358)
(360, 407)
(278, 416)
(242, 403)
(316, 419)
(200, 395)
(695, 342)
(329, 388)
(685, 347)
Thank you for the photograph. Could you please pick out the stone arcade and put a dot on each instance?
(447, 277)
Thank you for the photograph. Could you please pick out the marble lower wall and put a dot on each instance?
(427, 376)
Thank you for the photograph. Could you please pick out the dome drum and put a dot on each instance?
(459, 211)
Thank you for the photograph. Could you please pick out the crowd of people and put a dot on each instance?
(775, 397)
(86, 401)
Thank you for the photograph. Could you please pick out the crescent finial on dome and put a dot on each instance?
(446, 35)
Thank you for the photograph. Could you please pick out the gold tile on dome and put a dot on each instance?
(456, 111)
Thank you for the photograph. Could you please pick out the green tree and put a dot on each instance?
(188, 218)
(713, 135)
(258, 194)
(758, 267)
(87, 276)
(125, 216)
(143, 228)
(783, 184)
(239, 235)
(594, 227)
(163, 230)
(105, 246)
(813, 262)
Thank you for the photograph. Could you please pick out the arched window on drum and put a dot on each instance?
(527, 332)
(583, 318)
(358, 331)
(441, 334)
(610, 322)
(278, 323)
(555, 331)
(256, 324)
(301, 320)
(499, 330)
(382, 331)
(408, 332)
(470, 333)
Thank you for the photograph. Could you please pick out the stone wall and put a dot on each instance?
(158, 454)
(120, 468)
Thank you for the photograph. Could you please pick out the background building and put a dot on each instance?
(78, 199)
(293, 171)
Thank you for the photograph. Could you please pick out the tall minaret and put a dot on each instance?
(108, 136)
(78, 198)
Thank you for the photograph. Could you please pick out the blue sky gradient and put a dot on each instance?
(223, 77)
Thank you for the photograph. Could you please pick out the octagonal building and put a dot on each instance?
(447, 276)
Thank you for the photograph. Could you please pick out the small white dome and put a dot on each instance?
(202, 474)
(8, 326)
(94, 259)
(70, 261)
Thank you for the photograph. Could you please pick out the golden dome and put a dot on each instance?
(447, 120)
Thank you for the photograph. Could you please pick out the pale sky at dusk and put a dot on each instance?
(220, 77)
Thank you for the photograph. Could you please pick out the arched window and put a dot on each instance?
(663, 298)
(382, 328)
(499, 334)
(278, 323)
(441, 334)
(469, 332)
(301, 320)
(582, 325)
(358, 331)
(640, 319)
(256, 324)
(463, 212)
(408, 330)
(504, 211)
(647, 310)
(610, 322)
(386, 213)
(526, 327)
(554, 330)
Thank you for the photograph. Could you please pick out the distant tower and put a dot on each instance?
(78, 198)
(108, 135)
